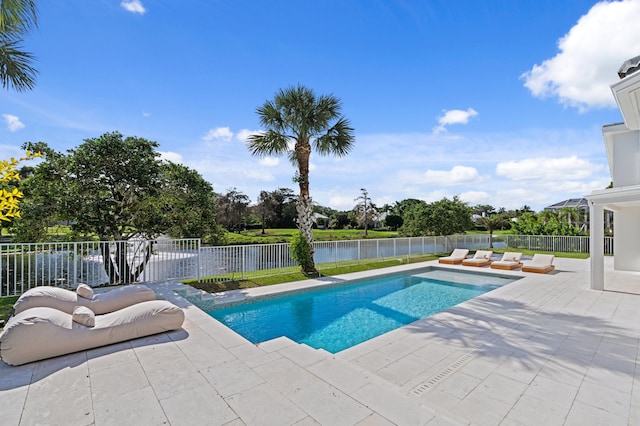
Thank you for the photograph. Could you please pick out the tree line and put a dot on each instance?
(117, 188)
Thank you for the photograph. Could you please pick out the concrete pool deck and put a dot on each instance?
(543, 350)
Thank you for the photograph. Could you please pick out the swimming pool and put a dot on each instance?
(342, 316)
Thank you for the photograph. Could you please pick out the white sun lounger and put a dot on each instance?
(100, 303)
(40, 333)
(456, 256)
(540, 263)
(510, 260)
(480, 258)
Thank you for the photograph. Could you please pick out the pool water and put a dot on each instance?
(337, 318)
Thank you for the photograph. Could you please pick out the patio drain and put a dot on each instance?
(433, 381)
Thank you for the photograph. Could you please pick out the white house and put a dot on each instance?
(622, 143)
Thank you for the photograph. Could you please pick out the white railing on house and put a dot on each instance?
(67, 264)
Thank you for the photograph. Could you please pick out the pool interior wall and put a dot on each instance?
(239, 297)
(333, 321)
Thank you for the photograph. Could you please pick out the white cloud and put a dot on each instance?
(174, 157)
(589, 56)
(550, 169)
(475, 197)
(269, 161)
(259, 175)
(340, 202)
(219, 133)
(312, 167)
(457, 175)
(133, 6)
(146, 114)
(13, 122)
(453, 116)
(243, 135)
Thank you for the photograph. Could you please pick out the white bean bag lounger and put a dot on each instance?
(100, 303)
(40, 333)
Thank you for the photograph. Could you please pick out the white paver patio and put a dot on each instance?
(543, 350)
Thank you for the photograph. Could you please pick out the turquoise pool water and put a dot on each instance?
(337, 318)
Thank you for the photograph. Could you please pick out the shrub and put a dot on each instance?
(302, 252)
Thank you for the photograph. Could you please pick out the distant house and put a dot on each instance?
(320, 220)
(577, 203)
(622, 144)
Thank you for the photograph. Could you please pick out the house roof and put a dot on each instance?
(627, 94)
(580, 203)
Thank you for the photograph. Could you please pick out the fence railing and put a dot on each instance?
(28, 265)
(67, 264)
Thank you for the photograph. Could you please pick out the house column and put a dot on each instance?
(596, 245)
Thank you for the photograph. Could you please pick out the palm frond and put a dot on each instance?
(338, 140)
(18, 16)
(269, 143)
(15, 66)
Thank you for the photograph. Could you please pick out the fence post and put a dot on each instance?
(75, 264)
(244, 255)
(198, 260)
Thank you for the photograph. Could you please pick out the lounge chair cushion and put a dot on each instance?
(40, 333)
(480, 258)
(510, 260)
(85, 291)
(83, 315)
(456, 256)
(540, 263)
(509, 256)
(66, 300)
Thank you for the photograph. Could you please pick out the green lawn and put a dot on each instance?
(255, 236)
(214, 287)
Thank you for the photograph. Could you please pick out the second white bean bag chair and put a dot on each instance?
(99, 303)
(40, 333)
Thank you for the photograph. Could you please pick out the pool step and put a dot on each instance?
(365, 387)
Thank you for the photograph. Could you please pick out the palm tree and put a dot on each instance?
(17, 17)
(295, 121)
(491, 223)
(572, 215)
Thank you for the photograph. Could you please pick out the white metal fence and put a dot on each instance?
(67, 264)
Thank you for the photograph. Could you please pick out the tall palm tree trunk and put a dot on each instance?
(304, 206)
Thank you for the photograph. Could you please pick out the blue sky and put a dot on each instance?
(499, 102)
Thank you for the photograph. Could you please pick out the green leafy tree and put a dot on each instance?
(186, 204)
(284, 208)
(393, 221)
(296, 121)
(265, 208)
(339, 220)
(118, 189)
(400, 207)
(444, 217)
(17, 18)
(233, 209)
(545, 223)
(486, 209)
